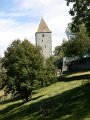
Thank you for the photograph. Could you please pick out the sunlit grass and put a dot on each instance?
(1, 92)
(78, 74)
(56, 88)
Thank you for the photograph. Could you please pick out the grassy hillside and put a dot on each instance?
(68, 99)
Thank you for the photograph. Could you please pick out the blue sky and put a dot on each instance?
(20, 19)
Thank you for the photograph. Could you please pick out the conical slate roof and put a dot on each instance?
(43, 26)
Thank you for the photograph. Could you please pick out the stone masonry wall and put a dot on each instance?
(44, 40)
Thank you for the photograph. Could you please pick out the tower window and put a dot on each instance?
(45, 46)
(42, 35)
(42, 40)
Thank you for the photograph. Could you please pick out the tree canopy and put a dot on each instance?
(77, 45)
(23, 62)
(59, 51)
(2, 74)
(81, 14)
(82, 41)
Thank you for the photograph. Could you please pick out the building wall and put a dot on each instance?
(44, 40)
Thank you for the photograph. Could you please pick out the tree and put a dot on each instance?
(81, 14)
(47, 75)
(2, 75)
(50, 66)
(70, 34)
(77, 45)
(59, 51)
(69, 48)
(50, 70)
(23, 62)
(82, 41)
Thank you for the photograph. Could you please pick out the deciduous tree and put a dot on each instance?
(23, 62)
(81, 14)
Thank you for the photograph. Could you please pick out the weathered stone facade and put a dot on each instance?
(43, 39)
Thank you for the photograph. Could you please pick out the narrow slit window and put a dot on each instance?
(42, 40)
(42, 35)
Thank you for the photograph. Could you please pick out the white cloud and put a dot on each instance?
(55, 13)
(12, 30)
(27, 4)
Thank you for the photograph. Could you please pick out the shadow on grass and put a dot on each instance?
(80, 77)
(73, 104)
(11, 107)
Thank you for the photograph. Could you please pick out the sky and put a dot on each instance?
(19, 19)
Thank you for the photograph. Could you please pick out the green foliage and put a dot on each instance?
(81, 14)
(69, 48)
(47, 75)
(49, 65)
(23, 61)
(82, 41)
(59, 51)
(2, 74)
(70, 34)
(78, 44)
(50, 69)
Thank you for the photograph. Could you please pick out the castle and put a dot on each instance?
(43, 39)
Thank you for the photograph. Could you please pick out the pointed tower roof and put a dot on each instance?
(43, 26)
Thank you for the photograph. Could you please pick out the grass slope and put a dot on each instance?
(68, 99)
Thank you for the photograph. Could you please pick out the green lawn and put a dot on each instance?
(68, 99)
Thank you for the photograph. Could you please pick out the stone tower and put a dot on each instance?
(43, 39)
